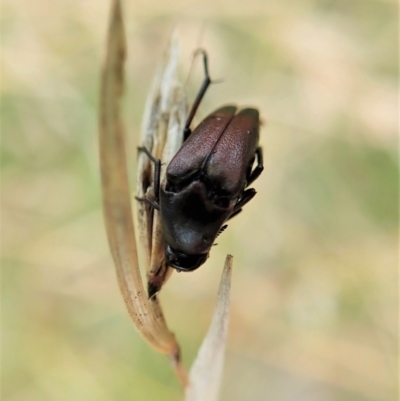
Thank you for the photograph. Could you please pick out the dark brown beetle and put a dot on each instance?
(207, 180)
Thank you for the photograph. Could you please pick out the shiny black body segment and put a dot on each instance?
(207, 180)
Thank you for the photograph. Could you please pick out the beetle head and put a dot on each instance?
(182, 261)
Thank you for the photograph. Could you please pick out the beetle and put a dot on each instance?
(207, 180)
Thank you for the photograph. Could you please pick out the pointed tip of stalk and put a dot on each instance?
(206, 372)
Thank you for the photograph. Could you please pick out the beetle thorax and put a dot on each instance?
(190, 219)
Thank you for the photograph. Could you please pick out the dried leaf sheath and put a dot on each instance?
(162, 134)
(146, 315)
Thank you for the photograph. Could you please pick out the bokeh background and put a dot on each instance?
(315, 286)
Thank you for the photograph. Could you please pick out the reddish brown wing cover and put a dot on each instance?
(234, 151)
(200, 144)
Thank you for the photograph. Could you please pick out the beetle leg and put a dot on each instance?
(235, 213)
(157, 175)
(152, 203)
(258, 169)
(246, 197)
(206, 83)
(222, 229)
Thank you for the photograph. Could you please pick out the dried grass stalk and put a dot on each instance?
(162, 134)
(145, 314)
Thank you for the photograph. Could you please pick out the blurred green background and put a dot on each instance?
(314, 312)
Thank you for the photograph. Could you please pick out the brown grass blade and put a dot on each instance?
(146, 316)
